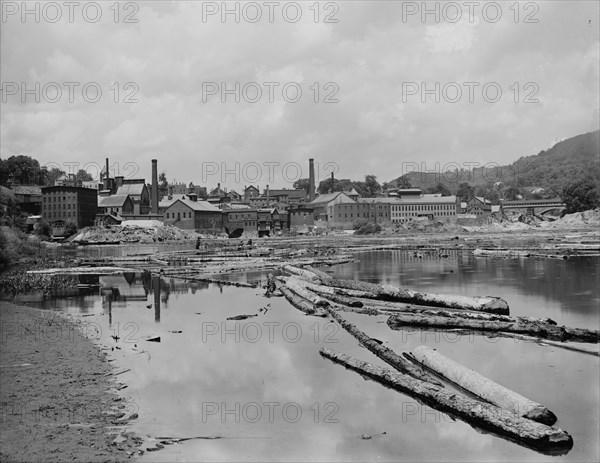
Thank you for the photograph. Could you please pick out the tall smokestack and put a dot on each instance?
(311, 179)
(106, 185)
(154, 198)
(331, 182)
(267, 195)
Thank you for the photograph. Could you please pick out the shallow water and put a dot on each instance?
(261, 385)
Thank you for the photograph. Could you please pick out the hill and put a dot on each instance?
(568, 161)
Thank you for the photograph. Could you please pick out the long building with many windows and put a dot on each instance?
(435, 208)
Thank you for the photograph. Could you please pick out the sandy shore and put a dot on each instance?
(58, 395)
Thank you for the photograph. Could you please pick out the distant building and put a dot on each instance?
(139, 192)
(190, 214)
(93, 184)
(323, 204)
(63, 204)
(300, 215)
(115, 204)
(28, 198)
(246, 219)
(479, 206)
(284, 195)
(437, 208)
(250, 192)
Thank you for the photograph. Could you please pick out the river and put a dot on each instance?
(261, 386)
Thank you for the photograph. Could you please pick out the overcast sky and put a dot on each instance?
(170, 71)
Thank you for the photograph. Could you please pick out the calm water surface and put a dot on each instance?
(261, 384)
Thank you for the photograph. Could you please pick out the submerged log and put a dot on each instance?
(476, 413)
(481, 386)
(301, 304)
(532, 327)
(384, 353)
(392, 293)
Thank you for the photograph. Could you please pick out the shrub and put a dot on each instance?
(368, 229)
(70, 229)
(359, 223)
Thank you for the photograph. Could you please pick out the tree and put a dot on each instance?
(403, 182)
(83, 176)
(372, 187)
(439, 188)
(512, 193)
(582, 195)
(22, 170)
(465, 191)
(53, 174)
(302, 184)
(163, 185)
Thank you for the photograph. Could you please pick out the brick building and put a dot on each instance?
(63, 204)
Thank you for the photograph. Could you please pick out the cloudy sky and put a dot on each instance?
(364, 87)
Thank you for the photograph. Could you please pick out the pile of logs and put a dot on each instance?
(425, 374)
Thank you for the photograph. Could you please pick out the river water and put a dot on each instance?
(261, 386)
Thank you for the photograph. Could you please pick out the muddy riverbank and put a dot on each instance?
(58, 393)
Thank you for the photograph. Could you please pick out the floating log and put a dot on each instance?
(392, 293)
(476, 413)
(300, 303)
(384, 353)
(310, 276)
(540, 328)
(328, 292)
(295, 284)
(481, 386)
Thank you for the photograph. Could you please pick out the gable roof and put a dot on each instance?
(328, 197)
(134, 189)
(27, 190)
(167, 202)
(202, 206)
(112, 201)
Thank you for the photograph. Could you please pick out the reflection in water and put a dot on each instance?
(212, 362)
(156, 289)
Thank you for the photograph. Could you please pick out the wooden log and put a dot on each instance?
(539, 329)
(301, 304)
(392, 293)
(310, 276)
(476, 413)
(481, 386)
(329, 292)
(295, 284)
(384, 353)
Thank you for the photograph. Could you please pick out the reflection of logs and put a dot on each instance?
(472, 411)
(481, 386)
(533, 327)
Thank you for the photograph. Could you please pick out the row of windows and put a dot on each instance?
(56, 215)
(425, 207)
(415, 214)
(171, 215)
(54, 207)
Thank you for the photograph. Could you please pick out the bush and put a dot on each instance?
(43, 228)
(16, 246)
(70, 229)
(368, 229)
(359, 223)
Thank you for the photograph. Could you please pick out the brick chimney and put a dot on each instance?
(106, 184)
(311, 179)
(154, 199)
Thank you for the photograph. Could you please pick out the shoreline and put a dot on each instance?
(58, 393)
